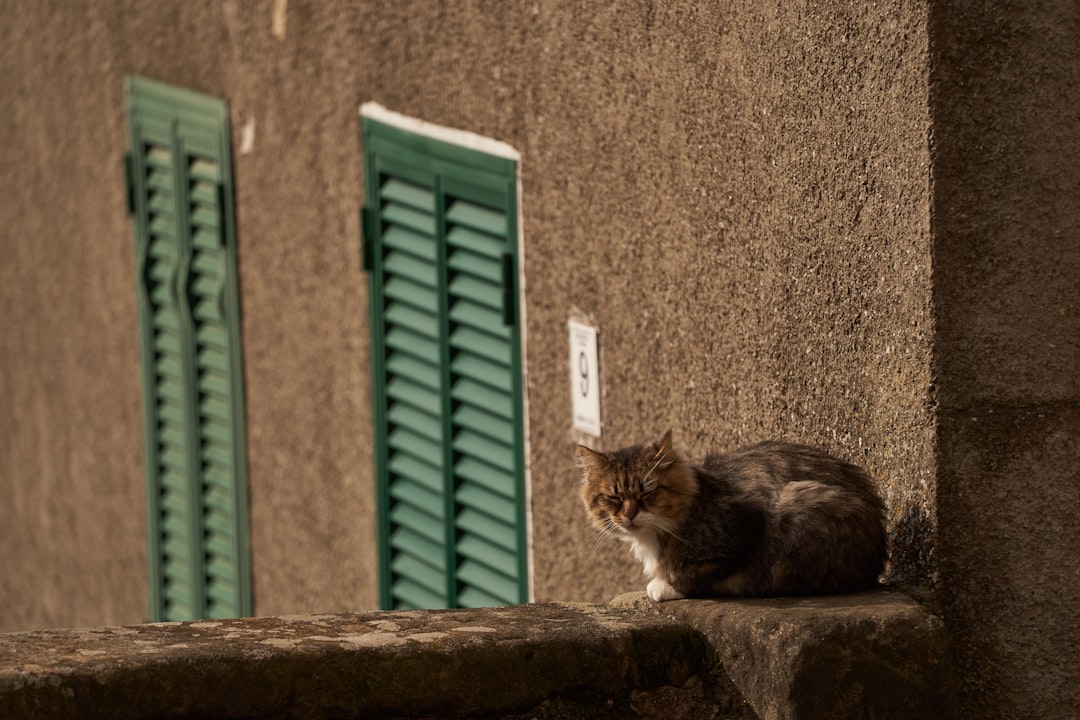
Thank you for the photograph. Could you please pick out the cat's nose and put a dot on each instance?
(629, 509)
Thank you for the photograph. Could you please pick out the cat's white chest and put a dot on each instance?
(646, 548)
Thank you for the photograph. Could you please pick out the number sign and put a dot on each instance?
(584, 378)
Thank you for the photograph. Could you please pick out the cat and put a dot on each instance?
(769, 519)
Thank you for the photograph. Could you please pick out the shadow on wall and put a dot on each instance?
(912, 538)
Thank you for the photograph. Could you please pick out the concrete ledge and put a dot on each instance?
(875, 655)
(562, 660)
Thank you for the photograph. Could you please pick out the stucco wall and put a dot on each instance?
(71, 495)
(737, 195)
(1007, 281)
(74, 535)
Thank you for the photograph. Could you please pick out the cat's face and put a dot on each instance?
(636, 488)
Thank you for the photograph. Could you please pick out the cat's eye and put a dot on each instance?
(613, 499)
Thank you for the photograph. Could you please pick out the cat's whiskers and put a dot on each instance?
(610, 528)
(645, 480)
(666, 526)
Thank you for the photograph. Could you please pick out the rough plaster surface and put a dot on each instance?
(72, 451)
(71, 502)
(1007, 356)
(752, 245)
(747, 226)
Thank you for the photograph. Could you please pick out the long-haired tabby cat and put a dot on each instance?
(769, 519)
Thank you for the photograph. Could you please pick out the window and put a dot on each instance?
(441, 248)
(180, 195)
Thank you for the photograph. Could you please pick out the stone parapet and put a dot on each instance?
(873, 655)
(867, 655)
(450, 663)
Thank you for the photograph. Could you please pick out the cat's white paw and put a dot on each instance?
(660, 590)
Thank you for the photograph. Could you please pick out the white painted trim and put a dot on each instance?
(453, 136)
(527, 445)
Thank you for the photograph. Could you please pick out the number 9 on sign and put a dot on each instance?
(584, 378)
(583, 365)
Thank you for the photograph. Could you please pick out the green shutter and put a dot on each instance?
(180, 193)
(441, 247)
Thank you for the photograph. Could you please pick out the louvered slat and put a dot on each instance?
(403, 340)
(499, 531)
(493, 401)
(473, 495)
(169, 367)
(412, 293)
(482, 370)
(477, 217)
(418, 570)
(220, 435)
(488, 476)
(501, 588)
(410, 243)
(415, 544)
(478, 342)
(418, 421)
(488, 245)
(414, 491)
(422, 372)
(216, 453)
(473, 597)
(423, 324)
(423, 521)
(212, 336)
(480, 291)
(407, 441)
(399, 191)
(482, 268)
(479, 420)
(415, 269)
(409, 595)
(498, 455)
(479, 548)
(424, 473)
(409, 218)
(423, 397)
(474, 315)
(213, 358)
(204, 218)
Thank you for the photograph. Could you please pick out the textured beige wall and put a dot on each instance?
(71, 497)
(73, 537)
(1007, 285)
(737, 194)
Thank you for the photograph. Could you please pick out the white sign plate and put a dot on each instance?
(584, 378)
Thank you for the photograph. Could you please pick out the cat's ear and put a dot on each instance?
(590, 460)
(663, 445)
